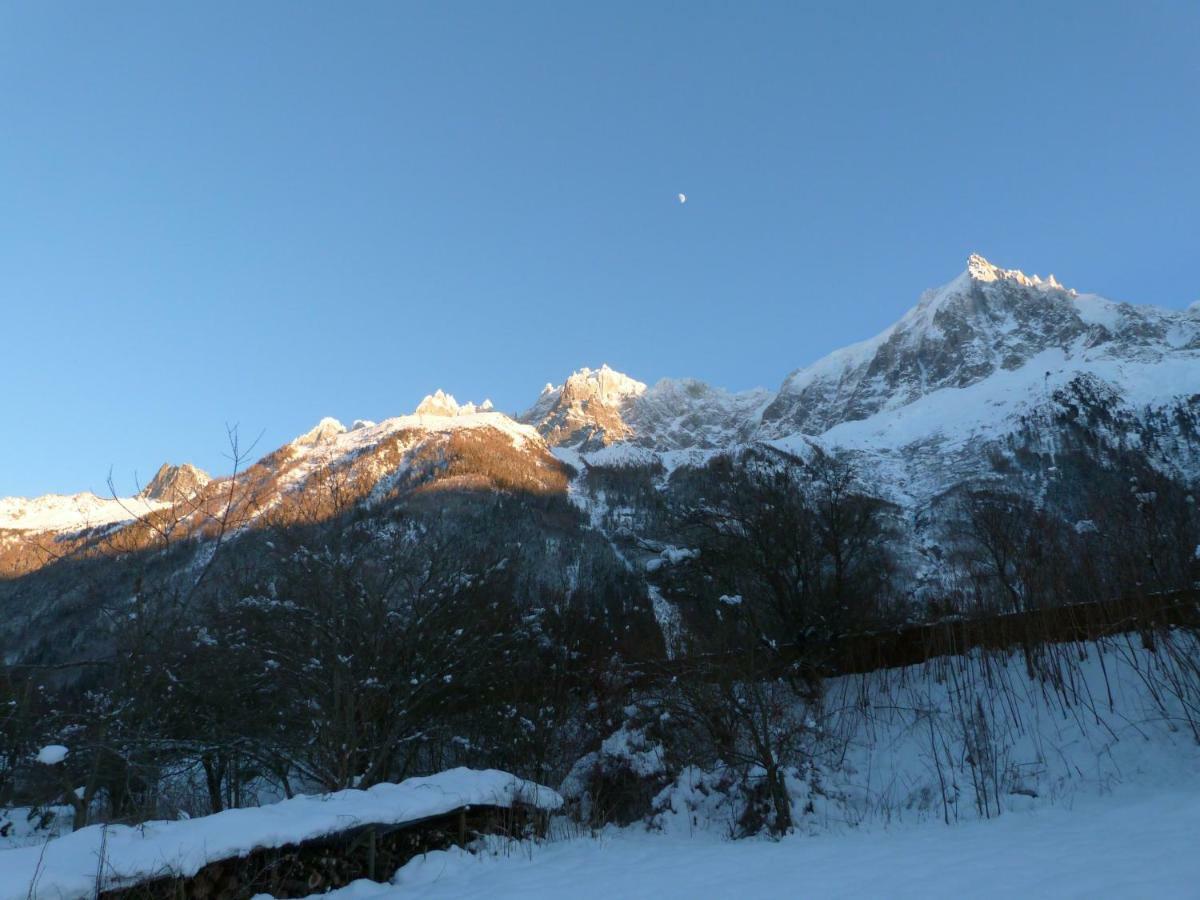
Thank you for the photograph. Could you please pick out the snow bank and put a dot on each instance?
(66, 868)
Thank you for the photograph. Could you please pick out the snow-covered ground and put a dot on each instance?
(1126, 845)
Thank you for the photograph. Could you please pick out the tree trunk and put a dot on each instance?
(781, 801)
(212, 779)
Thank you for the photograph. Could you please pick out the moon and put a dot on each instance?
(682, 199)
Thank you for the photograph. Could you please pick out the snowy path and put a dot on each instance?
(1137, 847)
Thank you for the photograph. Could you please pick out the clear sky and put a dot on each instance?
(263, 213)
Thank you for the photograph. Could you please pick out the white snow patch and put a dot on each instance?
(52, 754)
(669, 620)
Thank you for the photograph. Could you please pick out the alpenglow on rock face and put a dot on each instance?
(587, 410)
(173, 483)
(439, 403)
(321, 433)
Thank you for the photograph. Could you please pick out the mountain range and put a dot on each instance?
(966, 374)
(993, 378)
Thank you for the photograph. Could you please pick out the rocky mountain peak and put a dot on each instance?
(439, 403)
(982, 271)
(173, 483)
(986, 320)
(587, 410)
(605, 386)
(323, 432)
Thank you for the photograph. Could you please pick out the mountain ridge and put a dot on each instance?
(963, 365)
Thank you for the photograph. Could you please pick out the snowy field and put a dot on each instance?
(1126, 845)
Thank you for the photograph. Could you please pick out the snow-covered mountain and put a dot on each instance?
(991, 363)
(986, 322)
(172, 483)
(996, 361)
(996, 380)
(588, 410)
(991, 360)
(408, 452)
(320, 473)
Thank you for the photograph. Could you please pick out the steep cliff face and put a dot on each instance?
(680, 414)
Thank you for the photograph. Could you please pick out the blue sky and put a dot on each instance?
(266, 213)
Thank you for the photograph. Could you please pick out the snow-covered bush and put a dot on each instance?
(618, 782)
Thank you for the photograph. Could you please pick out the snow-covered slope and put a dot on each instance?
(71, 513)
(313, 476)
(330, 443)
(679, 414)
(1132, 845)
(961, 777)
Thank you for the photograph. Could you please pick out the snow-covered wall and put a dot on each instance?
(70, 867)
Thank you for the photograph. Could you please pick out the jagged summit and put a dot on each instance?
(439, 403)
(323, 432)
(587, 410)
(604, 385)
(980, 270)
(986, 321)
(173, 483)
